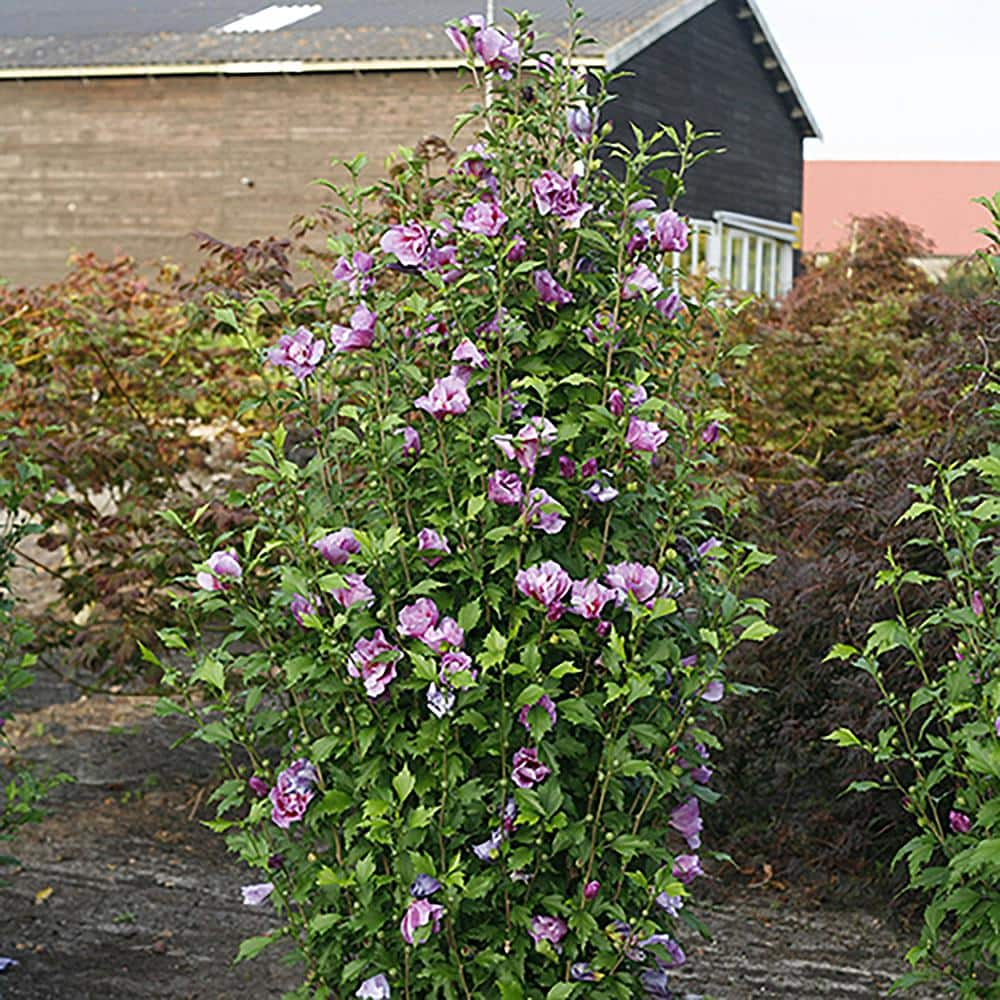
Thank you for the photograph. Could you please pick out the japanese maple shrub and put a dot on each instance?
(477, 630)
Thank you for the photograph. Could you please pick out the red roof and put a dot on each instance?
(934, 195)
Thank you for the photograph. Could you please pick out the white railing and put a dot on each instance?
(743, 252)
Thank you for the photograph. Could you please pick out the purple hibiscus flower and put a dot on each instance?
(671, 231)
(544, 702)
(254, 895)
(292, 792)
(582, 123)
(485, 218)
(223, 571)
(374, 988)
(641, 281)
(545, 582)
(299, 352)
(374, 663)
(557, 195)
(538, 512)
(409, 243)
(358, 335)
(354, 591)
(440, 700)
(686, 820)
(632, 578)
(419, 914)
(338, 546)
(959, 822)
(549, 290)
(411, 441)
(588, 598)
(424, 886)
(302, 605)
(504, 488)
(551, 929)
(644, 435)
(356, 272)
(416, 619)
(447, 396)
(527, 770)
(434, 543)
(687, 867)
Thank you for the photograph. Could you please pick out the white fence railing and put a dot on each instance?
(743, 252)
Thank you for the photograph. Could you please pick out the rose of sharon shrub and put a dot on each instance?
(499, 687)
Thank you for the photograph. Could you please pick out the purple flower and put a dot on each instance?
(581, 972)
(977, 603)
(527, 770)
(517, 250)
(549, 290)
(591, 889)
(996, 725)
(602, 329)
(416, 619)
(544, 702)
(557, 195)
(671, 231)
(356, 591)
(497, 50)
(374, 662)
(356, 272)
(656, 985)
(616, 403)
(456, 662)
(504, 488)
(409, 243)
(641, 280)
(551, 929)
(254, 895)
(567, 467)
(258, 786)
(337, 547)
(411, 441)
(675, 954)
(485, 217)
(292, 792)
(687, 868)
(582, 123)
(713, 692)
(708, 545)
(644, 435)
(589, 468)
(428, 540)
(358, 335)
(959, 822)
(672, 905)
(300, 606)
(8, 963)
(632, 578)
(424, 886)
(223, 570)
(545, 582)
(440, 637)
(589, 597)
(532, 441)
(600, 491)
(710, 434)
(539, 515)
(699, 773)
(467, 357)
(686, 820)
(299, 352)
(637, 396)
(447, 396)
(440, 701)
(669, 306)
(374, 988)
(488, 850)
(458, 36)
(418, 915)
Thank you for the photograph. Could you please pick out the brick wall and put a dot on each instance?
(136, 163)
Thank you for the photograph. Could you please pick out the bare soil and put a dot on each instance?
(123, 894)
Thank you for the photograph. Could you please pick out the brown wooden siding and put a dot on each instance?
(135, 164)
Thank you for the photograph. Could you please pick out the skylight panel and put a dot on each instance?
(271, 18)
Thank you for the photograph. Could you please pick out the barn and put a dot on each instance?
(125, 126)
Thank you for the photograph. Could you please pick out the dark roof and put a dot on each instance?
(118, 37)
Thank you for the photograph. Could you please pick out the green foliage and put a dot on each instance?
(456, 710)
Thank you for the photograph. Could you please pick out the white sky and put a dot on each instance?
(895, 79)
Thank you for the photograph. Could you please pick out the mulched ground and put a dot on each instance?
(123, 894)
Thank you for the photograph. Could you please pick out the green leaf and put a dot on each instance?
(403, 784)
(560, 991)
(468, 617)
(510, 989)
(253, 946)
(475, 505)
(840, 652)
(757, 631)
(843, 738)
(210, 672)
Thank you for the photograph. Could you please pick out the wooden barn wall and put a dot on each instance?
(135, 164)
(706, 71)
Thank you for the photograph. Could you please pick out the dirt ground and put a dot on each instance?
(122, 894)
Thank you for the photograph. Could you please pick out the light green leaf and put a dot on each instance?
(403, 784)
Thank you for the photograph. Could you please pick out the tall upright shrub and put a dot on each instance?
(476, 631)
